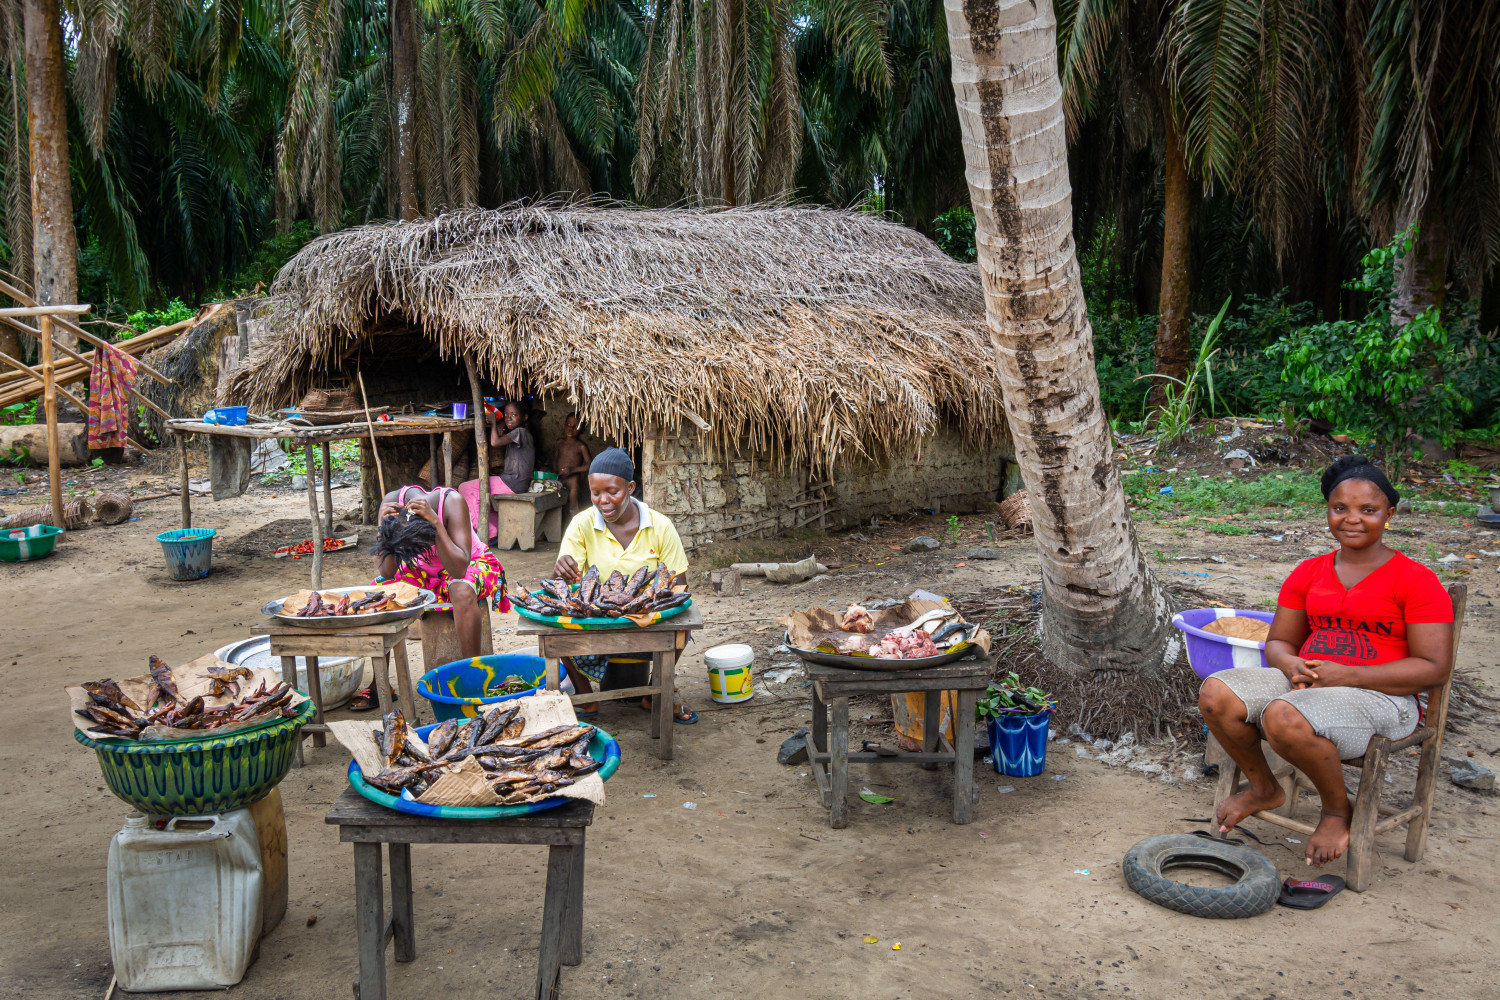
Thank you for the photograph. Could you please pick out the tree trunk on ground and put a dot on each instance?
(54, 242)
(1175, 306)
(404, 78)
(1421, 276)
(1106, 622)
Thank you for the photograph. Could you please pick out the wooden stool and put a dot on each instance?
(526, 517)
(440, 636)
(377, 643)
(664, 641)
(367, 826)
(832, 688)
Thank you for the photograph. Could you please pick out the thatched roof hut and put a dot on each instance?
(808, 334)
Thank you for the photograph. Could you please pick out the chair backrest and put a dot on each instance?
(1437, 698)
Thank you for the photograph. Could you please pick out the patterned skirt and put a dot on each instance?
(485, 575)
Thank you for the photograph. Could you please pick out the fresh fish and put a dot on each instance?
(955, 629)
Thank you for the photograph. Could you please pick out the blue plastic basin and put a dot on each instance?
(456, 689)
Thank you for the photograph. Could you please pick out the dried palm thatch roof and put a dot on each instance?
(814, 334)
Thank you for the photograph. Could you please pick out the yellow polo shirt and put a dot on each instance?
(590, 542)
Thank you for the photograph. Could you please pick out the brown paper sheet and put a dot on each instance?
(466, 786)
(806, 629)
(192, 680)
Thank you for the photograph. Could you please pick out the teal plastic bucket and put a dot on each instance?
(189, 552)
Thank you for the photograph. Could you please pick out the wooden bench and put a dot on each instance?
(525, 518)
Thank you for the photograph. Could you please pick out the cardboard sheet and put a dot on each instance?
(465, 784)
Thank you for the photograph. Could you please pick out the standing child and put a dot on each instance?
(570, 457)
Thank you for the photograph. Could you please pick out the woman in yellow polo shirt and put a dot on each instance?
(617, 532)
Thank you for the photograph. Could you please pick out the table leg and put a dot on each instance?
(448, 459)
(403, 922)
(327, 492)
(932, 725)
(819, 735)
(432, 462)
(554, 667)
(317, 521)
(963, 757)
(381, 666)
(549, 964)
(655, 680)
(369, 919)
(572, 941)
(403, 678)
(182, 481)
(664, 704)
(289, 675)
(315, 688)
(838, 765)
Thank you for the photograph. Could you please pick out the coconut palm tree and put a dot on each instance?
(1103, 613)
(54, 244)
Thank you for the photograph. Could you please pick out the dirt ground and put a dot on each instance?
(749, 894)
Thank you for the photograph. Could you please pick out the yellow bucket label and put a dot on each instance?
(729, 684)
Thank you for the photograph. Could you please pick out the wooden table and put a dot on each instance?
(525, 518)
(322, 435)
(378, 643)
(367, 826)
(832, 688)
(664, 641)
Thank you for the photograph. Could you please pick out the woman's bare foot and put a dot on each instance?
(1242, 804)
(1330, 840)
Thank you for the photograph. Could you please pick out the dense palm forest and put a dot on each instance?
(1329, 168)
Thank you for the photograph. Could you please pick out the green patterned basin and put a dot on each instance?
(201, 777)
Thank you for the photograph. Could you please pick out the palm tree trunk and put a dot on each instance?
(1421, 276)
(404, 78)
(1173, 308)
(54, 241)
(731, 122)
(1104, 616)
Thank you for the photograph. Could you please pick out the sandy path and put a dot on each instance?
(750, 894)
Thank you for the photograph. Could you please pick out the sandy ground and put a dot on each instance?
(750, 894)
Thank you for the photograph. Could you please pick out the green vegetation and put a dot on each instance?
(149, 319)
(1191, 493)
(1220, 528)
(1008, 696)
(19, 413)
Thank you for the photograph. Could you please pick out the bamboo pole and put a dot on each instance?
(49, 406)
(379, 472)
(317, 524)
(481, 450)
(30, 303)
(35, 373)
(182, 479)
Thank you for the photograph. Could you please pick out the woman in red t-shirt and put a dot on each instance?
(1358, 633)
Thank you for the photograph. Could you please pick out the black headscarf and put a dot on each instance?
(613, 462)
(1357, 467)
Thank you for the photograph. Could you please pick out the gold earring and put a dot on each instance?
(1388, 523)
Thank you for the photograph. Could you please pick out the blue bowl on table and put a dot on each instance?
(457, 689)
(603, 748)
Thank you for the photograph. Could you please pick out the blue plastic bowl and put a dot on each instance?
(189, 552)
(456, 689)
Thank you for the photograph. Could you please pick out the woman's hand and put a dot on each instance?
(1332, 675)
(1299, 672)
(387, 509)
(567, 569)
(420, 507)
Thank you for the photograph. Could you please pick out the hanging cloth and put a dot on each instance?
(112, 374)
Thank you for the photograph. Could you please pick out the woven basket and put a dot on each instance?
(112, 507)
(76, 514)
(1015, 510)
(329, 399)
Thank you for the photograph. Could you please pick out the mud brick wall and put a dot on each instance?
(713, 496)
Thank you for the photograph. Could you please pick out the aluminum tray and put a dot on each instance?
(958, 652)
(273, 609)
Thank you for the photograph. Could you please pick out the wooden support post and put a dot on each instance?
(963, 756)
(481, 451)
(327, 491)
(403, 922)
(312, 510)
(554, 908)
(182, 481)
(838, 764)
(432, 461)
(369, 920)
(49, 406)
(447, 460)
(648, 462)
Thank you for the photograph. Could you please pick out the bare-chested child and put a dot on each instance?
(570, 457)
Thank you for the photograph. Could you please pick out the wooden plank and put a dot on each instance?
(932, 714)
(289, 674)
(182, 480)
(403, 917)
(1397, 819)
(279, 627)
(46, 312)
(554, 905)
(590, 643)
(312, 645)
(327, 490)
(353, 809)
(897, 757)
(619, 694)
(447, 460)
(315, 689)
(354, 833)
(838, 764)
(369, 920)
(663, 705)
(554, 672)
(403, 679)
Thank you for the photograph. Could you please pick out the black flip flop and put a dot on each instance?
(1309, 895)
(366, 700)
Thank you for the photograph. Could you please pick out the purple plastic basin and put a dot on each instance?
(1209, 653)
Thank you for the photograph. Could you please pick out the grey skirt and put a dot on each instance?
(1346, 716)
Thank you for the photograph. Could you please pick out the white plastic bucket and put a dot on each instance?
(729, 672)
(184, 902)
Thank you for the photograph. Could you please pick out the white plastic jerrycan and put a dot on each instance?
(184, 902)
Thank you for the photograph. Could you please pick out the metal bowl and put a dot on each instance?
(958, 652)
(273, 608)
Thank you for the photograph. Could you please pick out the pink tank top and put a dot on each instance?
(429, 562)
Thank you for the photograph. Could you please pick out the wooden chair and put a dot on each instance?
(1371, 816)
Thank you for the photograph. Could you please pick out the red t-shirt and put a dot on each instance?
(1365, 624)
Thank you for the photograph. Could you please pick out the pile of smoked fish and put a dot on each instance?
(615, 597)
(115, 713)
(518, 768)
(312, 604)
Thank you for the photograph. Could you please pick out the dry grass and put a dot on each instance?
(816, 335)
